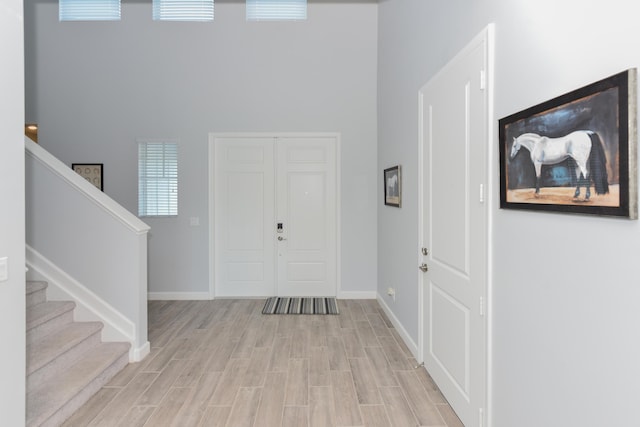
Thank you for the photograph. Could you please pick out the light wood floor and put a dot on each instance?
(223, 363)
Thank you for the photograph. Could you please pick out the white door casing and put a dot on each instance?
(260, 181)
(455, 130)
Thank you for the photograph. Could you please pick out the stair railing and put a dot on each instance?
(89, 244)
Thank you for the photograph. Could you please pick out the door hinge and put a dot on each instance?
(481, 306)
(481, 193)
(483, 80)
(480, 417)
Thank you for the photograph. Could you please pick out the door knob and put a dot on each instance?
(424, 267)
(281, 238)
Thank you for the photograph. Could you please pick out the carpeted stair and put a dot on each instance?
(66, 361)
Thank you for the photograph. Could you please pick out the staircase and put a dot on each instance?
(66, 361)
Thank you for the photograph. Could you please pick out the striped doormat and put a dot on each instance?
(285, 305)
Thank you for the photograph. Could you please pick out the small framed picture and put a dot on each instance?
(92, 172)
(393, 186)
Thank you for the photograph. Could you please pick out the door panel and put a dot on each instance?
(306, 216)
(455, 127)
(244, 211)
(306, 272)
(449, 179)
(244, 217)
(450, 352)
(306, 188)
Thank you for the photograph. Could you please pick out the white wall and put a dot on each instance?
(566, 341)
(95, 87)
(12, 296)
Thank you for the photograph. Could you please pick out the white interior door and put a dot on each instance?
(275, 215)
(455, 126)
(306, 208)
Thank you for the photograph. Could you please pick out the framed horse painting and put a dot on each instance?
(393, 186)
(575, 153)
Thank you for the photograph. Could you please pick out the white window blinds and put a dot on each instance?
(157, 178)
(89, 10)
(183, 10)
(276, 10)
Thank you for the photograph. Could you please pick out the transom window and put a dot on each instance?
(183, 10)
(89, 10)
(276, 10)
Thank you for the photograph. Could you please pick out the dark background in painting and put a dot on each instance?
(598, 113)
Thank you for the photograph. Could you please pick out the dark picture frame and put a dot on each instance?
(92, 172)
(392, 183)
(592, 129)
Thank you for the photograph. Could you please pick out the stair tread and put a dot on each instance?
(50, 396)
(40, 313)
(56, 343)
(35, 286)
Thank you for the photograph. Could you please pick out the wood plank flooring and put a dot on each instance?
(223, 363)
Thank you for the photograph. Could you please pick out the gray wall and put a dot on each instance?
(12, 301)
(95, 87)
(564, 299)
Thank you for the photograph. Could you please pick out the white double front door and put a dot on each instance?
(275, 215)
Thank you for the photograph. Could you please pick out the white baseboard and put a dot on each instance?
(172, 296)
(89, 306)
(357, 295)
(137, 354)
(413, 347)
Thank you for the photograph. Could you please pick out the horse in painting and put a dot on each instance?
(583, 146)
(392, 185)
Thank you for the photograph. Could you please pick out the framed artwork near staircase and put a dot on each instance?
(92, 172)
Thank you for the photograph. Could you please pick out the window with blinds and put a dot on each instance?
(157, 178)
(182, 10)
(94, 10)
(276, 10)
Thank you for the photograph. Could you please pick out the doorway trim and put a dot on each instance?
(211, 196)
(488, 35)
